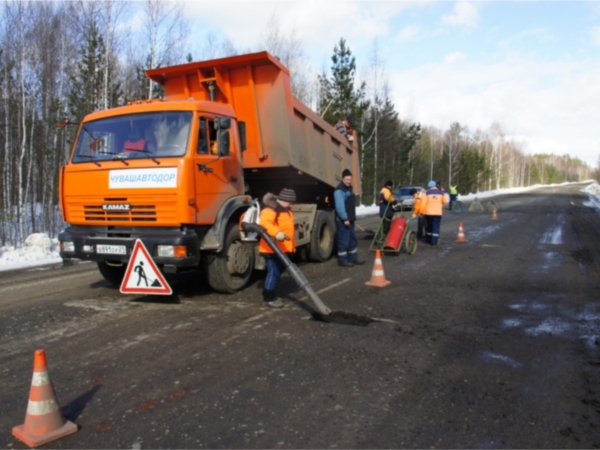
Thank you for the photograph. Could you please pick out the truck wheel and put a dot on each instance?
(410, 243)
(230, 269)
(112, 273)
(323, 236)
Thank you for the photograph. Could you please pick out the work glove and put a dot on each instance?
(280, 236)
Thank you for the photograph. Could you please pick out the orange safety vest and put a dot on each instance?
(273, 222)
(434, 199)
(136, 146)
(418, 203)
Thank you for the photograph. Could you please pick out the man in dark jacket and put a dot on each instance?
(345, 216)
(345, 127)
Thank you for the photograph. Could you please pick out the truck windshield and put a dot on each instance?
(148, 135)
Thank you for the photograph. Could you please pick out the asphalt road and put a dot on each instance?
(492, 343)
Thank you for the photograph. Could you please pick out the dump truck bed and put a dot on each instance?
(281, 132)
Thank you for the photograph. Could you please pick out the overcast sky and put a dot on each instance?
(533, 66)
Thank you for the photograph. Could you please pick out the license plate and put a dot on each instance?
(111, 249)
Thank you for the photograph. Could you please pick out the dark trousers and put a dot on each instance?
(346, 242)
(453, 198)
(274, 270)
(387, 222)
(421, 226)
(433, 229)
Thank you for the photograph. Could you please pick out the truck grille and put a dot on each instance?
(138, 213)
(143, 210)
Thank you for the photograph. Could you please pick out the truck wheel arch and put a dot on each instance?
(230, 212)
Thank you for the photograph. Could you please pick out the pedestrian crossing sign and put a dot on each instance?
(142, 275)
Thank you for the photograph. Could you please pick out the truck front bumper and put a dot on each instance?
(87, 239)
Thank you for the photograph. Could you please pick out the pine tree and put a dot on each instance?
(87, 86)
(337, 94)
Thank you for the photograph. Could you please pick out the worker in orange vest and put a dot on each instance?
(278, 221)
(135, 142)
(386, 202)
(418, 210)
(432, 208)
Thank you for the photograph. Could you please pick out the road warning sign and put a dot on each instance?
(142, 275)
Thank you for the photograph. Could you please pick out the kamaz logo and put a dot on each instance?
(116, 207)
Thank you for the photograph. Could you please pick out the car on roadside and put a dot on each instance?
(404, 198)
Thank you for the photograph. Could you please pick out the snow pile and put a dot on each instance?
(366, 210)
(593, 190)
(39, 249)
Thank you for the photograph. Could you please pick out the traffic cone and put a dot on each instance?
(494, 215)
(377, 276)
(44, 421)
(461, 234)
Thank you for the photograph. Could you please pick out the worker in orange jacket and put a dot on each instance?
(278, 221)
(432, 209)
(418, 210)
(386, 201)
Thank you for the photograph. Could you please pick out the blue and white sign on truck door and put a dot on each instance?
(165, 177)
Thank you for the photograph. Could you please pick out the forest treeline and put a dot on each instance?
(65, 59)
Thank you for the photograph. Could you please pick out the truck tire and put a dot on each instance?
(112, 273)
(229, 270)
(323, 237)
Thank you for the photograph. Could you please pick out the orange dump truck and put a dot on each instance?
(180, 172)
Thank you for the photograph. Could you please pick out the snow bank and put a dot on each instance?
(593, 190)
(39, 249)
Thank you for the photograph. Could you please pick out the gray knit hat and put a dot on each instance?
(287, 195)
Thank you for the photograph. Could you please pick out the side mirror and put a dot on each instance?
(242, 133)
(223, 123)
(63, 123)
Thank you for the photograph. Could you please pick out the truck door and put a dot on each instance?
(218, 171)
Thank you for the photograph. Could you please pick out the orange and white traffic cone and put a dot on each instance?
(494, 215)
(377, 276)
(44, 421)
(461, 234)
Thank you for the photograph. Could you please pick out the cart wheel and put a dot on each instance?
(410, 243)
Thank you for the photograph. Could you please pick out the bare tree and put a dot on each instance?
(288, 49)
(165, 29)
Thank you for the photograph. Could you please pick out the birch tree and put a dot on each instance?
(164, 31)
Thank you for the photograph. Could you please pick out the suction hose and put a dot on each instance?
(292, 269)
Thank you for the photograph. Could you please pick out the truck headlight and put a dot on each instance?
(68, 246)
(171, 251)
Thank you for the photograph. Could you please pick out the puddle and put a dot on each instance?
(501, 358)
(553, 236)
(550, 260)
(549, 326)
(477, 235)
(511, 323)
(549, 316)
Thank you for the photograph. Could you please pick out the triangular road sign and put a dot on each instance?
(142, 275)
